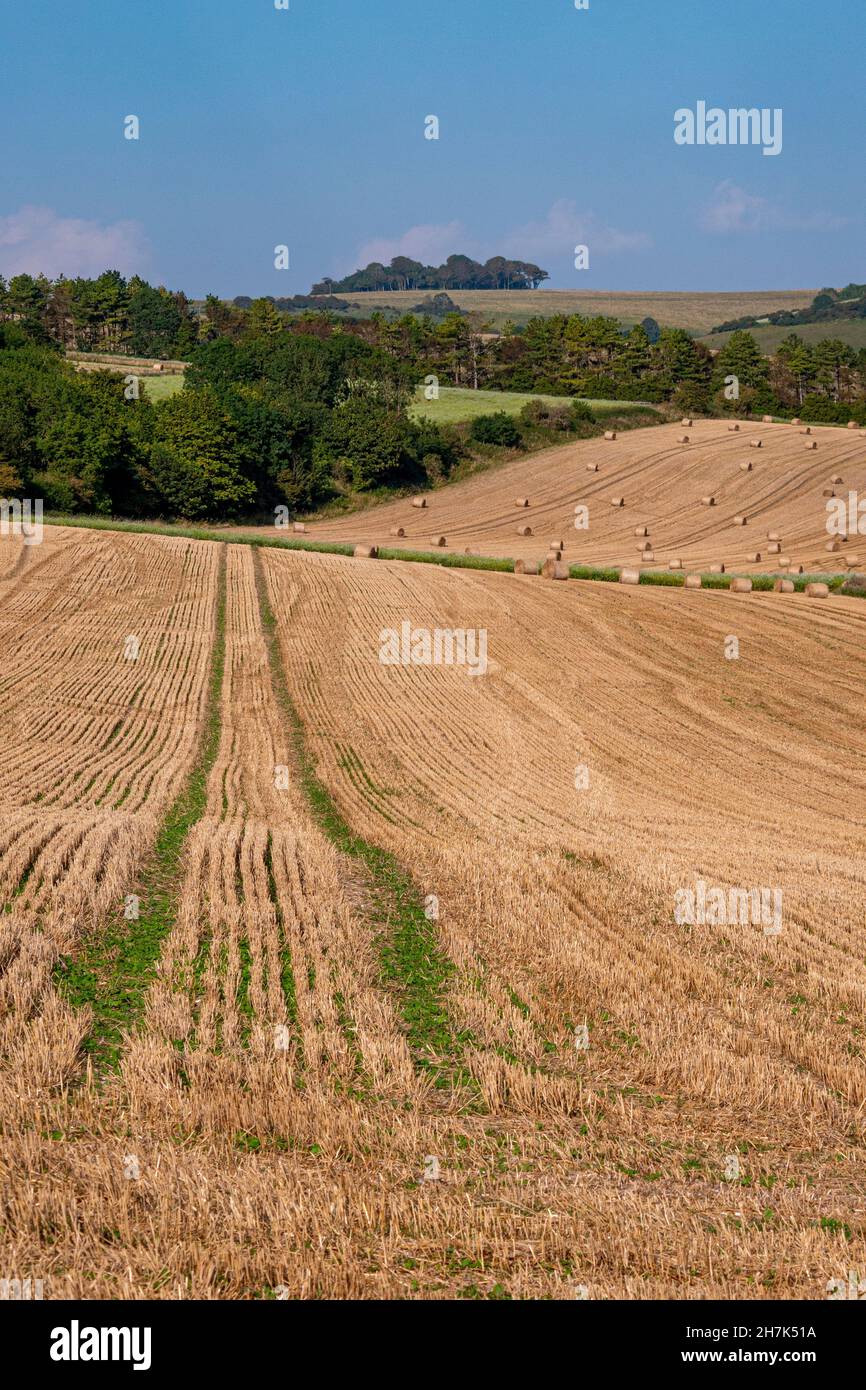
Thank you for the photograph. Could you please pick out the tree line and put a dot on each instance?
(106, 314)
(595, 358)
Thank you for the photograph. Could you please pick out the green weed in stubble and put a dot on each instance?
(411, 959)
(113, 971)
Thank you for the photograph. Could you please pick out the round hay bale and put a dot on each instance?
(708, 501)
(775, 547)
(741, 586)
(773, 536)
(298, 526)
(817, 591)
(693, 581)
(795, 568)
(592, 468)
(853, 425)
(796, 420)
(783, 586)
(740, 520)
(754, 558)
(806, 430)
(836, 478)
(675, 565)
(526, 567)
(784, 561)
(524, 530)
(687, 422)
(438, 540)
(553, 569)
(745, 467)
(756, 443)
(733, 428)
(641, 530)
(645, 545)
(521, 501)
(419, 501)
(629, 576)
(610, 434)
(717, 569)
(768, 419)
(682, 439)
(397, 531)
(812, 444)
(617, 501)
(833, 546)
(556, 545)
(852, 561)
(829, 492)
(649, 556)
(366, 552)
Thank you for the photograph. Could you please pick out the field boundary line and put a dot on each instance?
(605, 574)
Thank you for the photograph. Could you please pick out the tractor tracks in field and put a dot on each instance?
(111, 975)
(413, 966)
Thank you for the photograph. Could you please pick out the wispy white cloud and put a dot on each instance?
(429, 243)
(565, 227)
(732, 209)
(35, 239)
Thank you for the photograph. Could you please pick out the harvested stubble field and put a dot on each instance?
(696, 311)
(303, 1041)
(662, 482)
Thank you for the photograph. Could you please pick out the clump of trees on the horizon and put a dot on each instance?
(311, 408)
(457, 273)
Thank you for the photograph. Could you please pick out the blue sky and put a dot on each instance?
(306, 127)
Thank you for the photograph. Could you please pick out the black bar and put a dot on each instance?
(258, 1338)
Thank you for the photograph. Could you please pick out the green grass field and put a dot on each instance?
(456, 404)
(158, 388)
(768, 338)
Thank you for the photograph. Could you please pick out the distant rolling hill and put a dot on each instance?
(697, 312)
